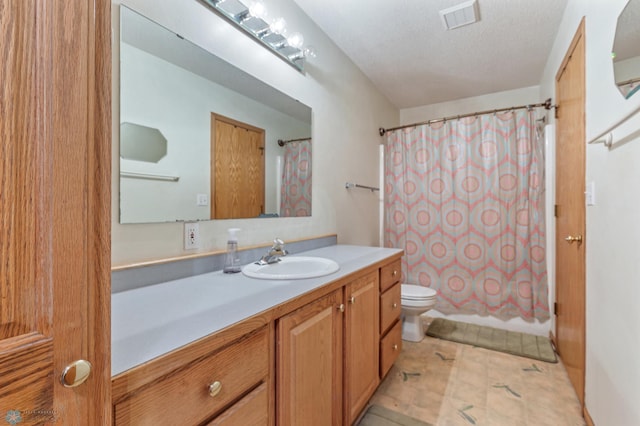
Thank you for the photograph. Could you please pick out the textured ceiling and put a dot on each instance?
(402, 46)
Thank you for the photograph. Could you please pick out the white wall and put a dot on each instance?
(613, 229)
(524, 96)
(347, 111)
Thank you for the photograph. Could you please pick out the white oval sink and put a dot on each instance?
(292, 268)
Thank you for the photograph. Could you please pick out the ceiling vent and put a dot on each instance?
(457, 16)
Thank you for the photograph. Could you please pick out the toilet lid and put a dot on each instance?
(416, 292)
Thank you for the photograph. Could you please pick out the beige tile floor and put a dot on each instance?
(446, 383)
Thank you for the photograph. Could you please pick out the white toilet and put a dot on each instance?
(415, 300)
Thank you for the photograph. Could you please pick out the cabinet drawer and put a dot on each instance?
(390, 274)
(390, 307)
(252, 410)
(182, 397)
(390, 347)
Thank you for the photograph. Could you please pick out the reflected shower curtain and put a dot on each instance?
(465, 200)
(295, 193)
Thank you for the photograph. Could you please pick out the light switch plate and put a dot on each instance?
(590, 194)
(202, 200)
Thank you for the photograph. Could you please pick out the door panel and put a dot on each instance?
(237, 154)
(309, 364)
(55, 145)
(570, 216)
(361, 344)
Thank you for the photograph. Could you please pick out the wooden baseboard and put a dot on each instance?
(587, 417)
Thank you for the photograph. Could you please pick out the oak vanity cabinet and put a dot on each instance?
(328, 356)
(224, 385)
(390, 322)
(361, 344)
(309, 363)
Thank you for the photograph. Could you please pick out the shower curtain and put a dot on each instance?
(295, 192)
(465, 200)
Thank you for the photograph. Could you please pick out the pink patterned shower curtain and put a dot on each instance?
(295, 193)
(465, 200)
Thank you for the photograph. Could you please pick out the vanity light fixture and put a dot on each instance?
(253, 20)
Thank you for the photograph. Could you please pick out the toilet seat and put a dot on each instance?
(416, 292)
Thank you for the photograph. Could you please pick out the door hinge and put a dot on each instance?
(555, 210)
(555, 308)
(557, 109)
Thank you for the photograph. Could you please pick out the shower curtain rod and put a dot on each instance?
(546, 104)
(283, 143)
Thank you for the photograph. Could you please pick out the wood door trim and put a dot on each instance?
(228, 120)
(578, 37)
(81, 200)
(580, 32)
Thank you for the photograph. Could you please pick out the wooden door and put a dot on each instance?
(361, 344)
(237, 162)
(309, 364)
(570, 213)
(55, 188)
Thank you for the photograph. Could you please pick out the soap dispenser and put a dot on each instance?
(232, 260)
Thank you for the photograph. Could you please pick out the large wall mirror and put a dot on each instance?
(626, 50)
(201, 139)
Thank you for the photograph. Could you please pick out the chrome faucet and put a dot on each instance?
(274, 254)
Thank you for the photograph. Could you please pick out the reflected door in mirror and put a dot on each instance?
(238, 169)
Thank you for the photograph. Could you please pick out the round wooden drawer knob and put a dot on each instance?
(215, 388)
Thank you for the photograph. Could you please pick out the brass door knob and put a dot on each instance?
(394, 273)
(341, 307)
(395, 305)
(76, 373)
(571, 239)
(352, 300)
(395, 347)
(215, 388)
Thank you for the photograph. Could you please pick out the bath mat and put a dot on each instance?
(511, 342)
(378, 415)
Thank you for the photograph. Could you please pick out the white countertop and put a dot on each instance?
(150, 321)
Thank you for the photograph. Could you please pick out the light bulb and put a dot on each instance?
(295, 40)
(278, 26)
(258, 9)
(309, 52)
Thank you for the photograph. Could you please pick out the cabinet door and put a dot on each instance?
(361, 344)
(309, 364)
(55, 146)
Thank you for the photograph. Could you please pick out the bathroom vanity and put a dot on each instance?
(227, 349)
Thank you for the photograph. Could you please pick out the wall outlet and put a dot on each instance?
(191, 236)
